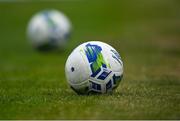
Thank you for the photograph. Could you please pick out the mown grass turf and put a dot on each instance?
(146, 33)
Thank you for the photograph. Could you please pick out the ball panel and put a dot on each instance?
(37, 30)
(81, 71)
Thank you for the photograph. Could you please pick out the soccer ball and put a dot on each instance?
(49, 29)
(94, 67)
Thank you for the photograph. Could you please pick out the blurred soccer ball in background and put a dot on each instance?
(94, 67)
(49, 29)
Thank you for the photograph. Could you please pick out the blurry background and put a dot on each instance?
(145, 33)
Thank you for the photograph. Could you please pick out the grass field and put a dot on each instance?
(145, 33)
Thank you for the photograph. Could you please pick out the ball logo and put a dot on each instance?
(97, 62)
(116, 56)
(95, 58)
(52, 27)
(50, 21)
(99, 68)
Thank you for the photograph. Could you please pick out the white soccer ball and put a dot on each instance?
(49, 29)
(94, 67)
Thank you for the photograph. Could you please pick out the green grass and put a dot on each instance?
(146, 33)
